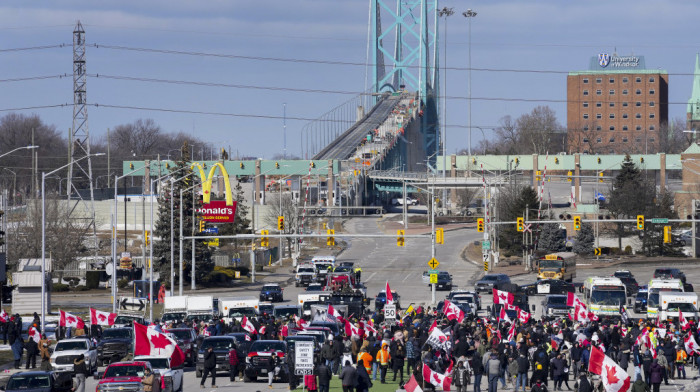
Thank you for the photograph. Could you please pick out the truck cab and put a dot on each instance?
(306, 274)
(123, 377)
(231, 308)
(671, 304)
(170, 378)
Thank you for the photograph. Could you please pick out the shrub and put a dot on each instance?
(122, 283)
(81, 288)
(59, 287)
(628, 250)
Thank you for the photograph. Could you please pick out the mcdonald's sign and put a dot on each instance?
(217, 211)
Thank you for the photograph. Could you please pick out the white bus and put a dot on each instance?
(604, 295)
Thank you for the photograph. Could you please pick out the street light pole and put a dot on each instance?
(470, 14)
(43, 232)
(445, 12)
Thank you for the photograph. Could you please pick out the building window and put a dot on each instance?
(638, 80)
(585, 140)
(639, 127)
(598, 140)
(598, 116)
(624, 104)
(651, 79)
(651, 103)
(612, 138)
(624, 92)
(585, 116)
(624, 115)
(638, 140)
(638, 115)
(624, 139)
(651, 127)
(612, 104)
(585, 104)
(598, 92)
(638, 104)
(598, 128)
(612, 128)
(599, 80)
(624, 127)
(612, 80)
(612, 92)
(585, 127)
(652, 140)
(625, 80)
(598, 104)
(585, 81)
(652, 115)
(638, 92)
(652, 92)
(612, 115)
(585, 92)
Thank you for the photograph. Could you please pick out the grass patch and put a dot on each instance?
(377, 386)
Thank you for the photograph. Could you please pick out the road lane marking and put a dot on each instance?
(370, 277)
(409, 274)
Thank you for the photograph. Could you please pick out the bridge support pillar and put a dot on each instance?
(662, 171)
(258, 185)
(577, 178)
(330, 200)
(535, 168)
(146, 179)
(453, 174)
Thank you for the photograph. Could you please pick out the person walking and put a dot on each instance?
(45, 354)
(348, 377)
(32, 349)
(17, 349)
(460, 377)
(80, 370)
(209, 367)
(493, 370)
(363, 382)
(398, 354)
(539, 386)
(523, 368)
(148, 380)
(383, 358)
(681, 359)
(558, 367)
(583, 385)
(639, 385)
(478, 369)
(324, 377)
(329, 353)
(656, 375)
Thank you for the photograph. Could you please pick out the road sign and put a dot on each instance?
(390, 311)
(659, 220)
(597, 251)
(433, 263)
(213, 242)
(303, 358)
(211, 230)
(486, 245)
(486, 266)
(433, 278)
(527, 229)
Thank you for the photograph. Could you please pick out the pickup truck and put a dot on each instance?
(170, 378)
(123, 377)
(306, 274)
(259, 357)
(399, 201)
(39, 381)
(68, 350)
(114, 345)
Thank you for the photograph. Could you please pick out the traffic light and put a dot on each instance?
(2, 232)
(148, 238)
(667, 235)
(538, 175)
(313, 165)
(577, 223)
(264, 241)
(400, 240)
(440, 236)
(600, 177)
(640, 222)
(201, 226)
(330, 241)
(480, 225)
(569, 175)
(242, 165)
(280, 223)
(521, 224)
(277, 165)
(556, 161)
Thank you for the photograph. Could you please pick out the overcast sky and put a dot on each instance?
(557, 36)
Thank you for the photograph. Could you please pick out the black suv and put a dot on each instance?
(380, 300)
(549, 286)
(115, 344)
(187, 340)
(669, 273)
(444, 281)
(490, 282)
(554, 305)
(272, 293)
(260, 354)
(222, 346)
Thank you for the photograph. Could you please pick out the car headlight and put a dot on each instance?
(200, 356)
(228, 356)
(247, 359)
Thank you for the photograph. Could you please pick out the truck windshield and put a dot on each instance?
(20, 382)
(181, 334)
(71, 345)
(286, 312)
(608, 297)
(306, 270)
(116, 333)
(266, 346)
(240, 312)
(158, 363)
(124, 371)
(653, 300)
(173, 316)
(682, 306)
(217, 344)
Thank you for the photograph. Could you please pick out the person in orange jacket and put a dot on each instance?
(365, 358)
(383, 358)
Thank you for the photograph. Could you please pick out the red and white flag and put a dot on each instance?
(511, 333)
(389, 295)
(34, 334)
(370, 328)
(262, 330)
(592, 316)
(432, 327)
(3, 316)
(580, 313)
(614, 378)
(69, 320)
(300, 322)
(502, 297)
(503, 316)
(523, 316)
(284, 331)
(572, 300)
(437, 379)
(453, 311)
(682, 320)
(98, 317)
(351, 330)
(248, 326)
(412, 385)
(691, 345)
(148, 341)
(334, 312)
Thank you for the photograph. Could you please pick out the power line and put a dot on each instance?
(33, 48)
(29, 78)
(35, 107)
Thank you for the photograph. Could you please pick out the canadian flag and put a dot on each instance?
(435, 378)
(691, 345)
(351, 330)
(300, 322)
(452, 311)
(34, 334)
(580, 313)
(592, 316)
(682, 320)
(3, 316)
(511, 333)
(389, 295)
(614, 378)
(248, 326)
(148, 341)
(432, 327)
(523, 316)
(369, 328)
(502, 297)
(572, 300)
(334, 312)
(412, 385)
(503, 316)
(69, 320)
(98, 317)
(262, 330)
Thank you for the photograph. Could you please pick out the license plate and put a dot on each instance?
(264, 371)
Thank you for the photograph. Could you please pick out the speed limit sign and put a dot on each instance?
(390, 311)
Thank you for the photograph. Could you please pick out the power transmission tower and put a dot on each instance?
(80, 169)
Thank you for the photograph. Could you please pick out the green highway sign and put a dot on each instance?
(485, 244)
(659, 220)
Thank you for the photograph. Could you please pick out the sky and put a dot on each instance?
(252, 40)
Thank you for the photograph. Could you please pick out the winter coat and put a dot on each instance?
(657, 373)
(398, 353)
(558, 366)
(330, 352)
(31, 347)
(324, 374)
(477, 366)
(493, 366)
(523, 364)
(310, 382)
(584, 385)
(363, 383)
(539, 387)
(640, 386)
(460, 377)
(148, 381)
(348, 376)
(79, 367)
(210, 360)
(513, 367)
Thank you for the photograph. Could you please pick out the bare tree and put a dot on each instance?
(136, 139)
(538, 130)
(465, 197)
(672, 139)
(288, 211)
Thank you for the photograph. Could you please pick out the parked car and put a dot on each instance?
(222, 345)
(271, 292)
(39, 381)
(68, 350)
(490, 282)
(669, 273)
(114, 345)
(554, 305)
(548, 286)
(187, 340)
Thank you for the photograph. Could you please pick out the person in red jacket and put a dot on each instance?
(233, 363)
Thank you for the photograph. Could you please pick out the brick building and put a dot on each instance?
(617, 106)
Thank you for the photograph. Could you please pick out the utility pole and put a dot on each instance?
(109, 167)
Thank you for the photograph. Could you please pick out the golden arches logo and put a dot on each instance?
(207, 181)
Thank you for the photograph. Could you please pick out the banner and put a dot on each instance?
(439, 340)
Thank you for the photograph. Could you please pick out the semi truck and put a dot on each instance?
(200, 307)
(174, 308)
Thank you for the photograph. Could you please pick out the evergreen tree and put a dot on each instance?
(584, 240)
(511, 203)
(653, 233)
(550, 238)
(241, 223)
(190, 202)
(630, 196)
